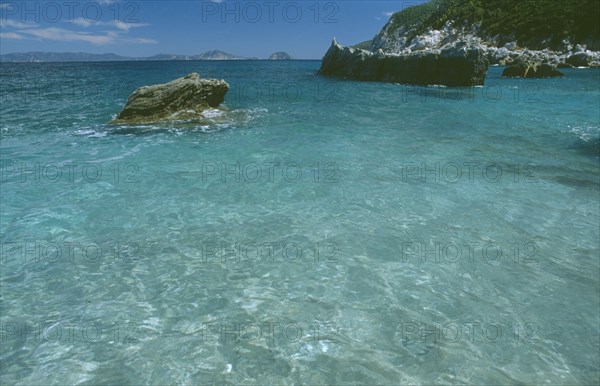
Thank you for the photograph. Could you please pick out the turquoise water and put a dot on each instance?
(315, 231)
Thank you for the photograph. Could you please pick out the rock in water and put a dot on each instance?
(580, 59)
(531, 71)
(518, 71)
(182, 99)
(545, 71)
(456, 65)
(564, 65)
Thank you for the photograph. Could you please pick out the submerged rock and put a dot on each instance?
(580, 59)
(182, 99)
(461, 64)
(531, 71)
(564, 65)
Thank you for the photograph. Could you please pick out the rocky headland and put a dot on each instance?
(536, 37)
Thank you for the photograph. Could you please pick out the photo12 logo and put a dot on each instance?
(68, 172)
(454, 172)
(270, 172)
(69, 11)
(70, 91)
(71, 252)
(469, 331)
(453, 252)
(268, 252)
(492, 92)
(270, 11)
(288, 92)
(69, 332)
(273, 332)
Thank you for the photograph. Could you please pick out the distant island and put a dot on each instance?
(43, 57)
(280, 56)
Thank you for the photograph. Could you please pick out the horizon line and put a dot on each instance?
(166, 60)
(140, 58)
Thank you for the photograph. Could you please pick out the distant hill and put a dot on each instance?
(60, 57)
(217, 55)
(280, 56)
(36, 57)
(164, 57)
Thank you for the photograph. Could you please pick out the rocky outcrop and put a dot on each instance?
(182, 99)
(531, 71)
(280, 56)
(459, 64)
(578, 57)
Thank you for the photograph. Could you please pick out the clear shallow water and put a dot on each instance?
(160, 279)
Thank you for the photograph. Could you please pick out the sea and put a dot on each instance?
(311, 230)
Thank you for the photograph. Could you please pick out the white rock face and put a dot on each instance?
(401, 40)
(501, 53)
(431, 39)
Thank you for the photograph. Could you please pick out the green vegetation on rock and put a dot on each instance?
(364, 45)
(535, 24)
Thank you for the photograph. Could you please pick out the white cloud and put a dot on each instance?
(63, 35)
(388, 14)
(139, 41)
(11, 35)
(83, 22)
(6, 5)
(122, 26)
(111, 32)
(16, 24)
(127, 26)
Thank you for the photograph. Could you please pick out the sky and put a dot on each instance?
(303, 28)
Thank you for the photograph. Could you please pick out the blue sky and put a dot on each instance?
(304, 29)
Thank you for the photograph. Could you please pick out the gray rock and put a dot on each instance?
(580, 59)
(182, 99)
(526, 57)
(531, 71)
(461, 64)
(564, 65)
